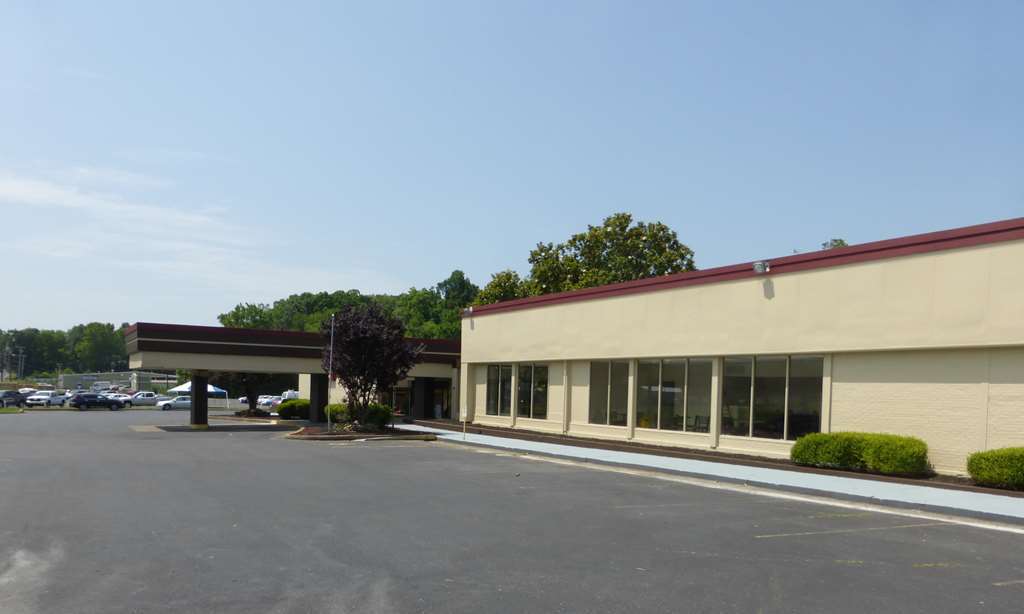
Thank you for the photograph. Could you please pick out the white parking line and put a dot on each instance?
(855, 530)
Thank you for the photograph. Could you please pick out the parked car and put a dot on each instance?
(91, 399)
(243, 400)
(124, 398)
(12, 398)
(269, 403)
(146, 399)
(28, 391)
(180, 402)
(288, 395)
(46, 398)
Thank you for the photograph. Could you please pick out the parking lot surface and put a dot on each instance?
(100, 512)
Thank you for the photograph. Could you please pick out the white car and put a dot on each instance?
(180, 402)
(46, 398)
(29, 391)
(124, 398)
(288, 395)
(145, 398)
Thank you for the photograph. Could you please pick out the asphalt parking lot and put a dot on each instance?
(98, 516)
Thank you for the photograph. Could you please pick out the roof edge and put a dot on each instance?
(967, 236)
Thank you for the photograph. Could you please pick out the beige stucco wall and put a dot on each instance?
(967, 297)
(958, 401)
(223, 362)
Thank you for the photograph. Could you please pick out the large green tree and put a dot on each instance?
(617, 250)
(504, 286)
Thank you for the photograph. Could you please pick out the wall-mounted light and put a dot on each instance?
(762, 266)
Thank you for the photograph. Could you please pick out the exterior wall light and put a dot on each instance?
(762, 266)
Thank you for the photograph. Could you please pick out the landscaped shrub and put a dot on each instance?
(875, 452)
(378, 416)
(1002, 468)
(338, 413)
(294, 409)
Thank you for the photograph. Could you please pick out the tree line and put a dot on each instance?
(95, 346)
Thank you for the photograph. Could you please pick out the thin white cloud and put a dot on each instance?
(34, 192)
(204, 252)
(113, 178)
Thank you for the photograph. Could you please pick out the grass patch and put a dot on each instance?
(9, 410)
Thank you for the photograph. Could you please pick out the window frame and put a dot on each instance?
(785, 409)
(533, 382)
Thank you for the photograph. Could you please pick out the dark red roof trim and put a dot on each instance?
(254, 341)
(994, 232)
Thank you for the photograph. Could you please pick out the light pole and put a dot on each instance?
(330, 372)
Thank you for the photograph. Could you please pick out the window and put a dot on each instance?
(532, 392)
(599, 392)
(674, 394)
(609, 392)
(647, 375)
(769, 397)
(736, 396)
(772, 397)
(698, 395)
(499, 390)
(804, 412)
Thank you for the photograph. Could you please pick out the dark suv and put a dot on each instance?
(89, 399)
(12, 398)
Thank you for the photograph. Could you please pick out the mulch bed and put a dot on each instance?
(937, 481)
(320, 433)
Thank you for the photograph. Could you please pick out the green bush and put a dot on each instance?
(875, 452)
(294, 409)
(378, 416)
(338, 413)
(1002, 468)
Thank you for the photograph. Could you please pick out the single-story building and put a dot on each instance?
(920, 335)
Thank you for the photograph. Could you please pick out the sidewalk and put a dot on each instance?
(844, 487)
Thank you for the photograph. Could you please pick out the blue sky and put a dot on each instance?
(163, 163)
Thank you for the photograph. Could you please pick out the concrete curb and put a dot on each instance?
(361, 437)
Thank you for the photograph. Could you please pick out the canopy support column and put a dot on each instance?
(200, 400)
(317, 397)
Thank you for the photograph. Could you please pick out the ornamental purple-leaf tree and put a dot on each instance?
(370, 353)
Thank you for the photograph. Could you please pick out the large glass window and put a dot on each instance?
(666, 390)
(698, 395)
(673, 396)
(499, 390)
(524, 391)
(599, 392)
(505, 398)
(786, 394)
(532, 392)
(805, 380)
(493, 374)
(540, 393)
(769, 397)
(619, 394)
(736, 396)
(647, 374)
(609, 392)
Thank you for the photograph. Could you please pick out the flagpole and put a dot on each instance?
(330, 372)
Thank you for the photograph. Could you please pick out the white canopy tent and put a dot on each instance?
(212, 391)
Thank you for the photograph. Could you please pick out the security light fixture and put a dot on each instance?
(762, 266)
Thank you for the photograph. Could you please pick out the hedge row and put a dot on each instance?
(1002, 468)
(875, 452)
(294, 409)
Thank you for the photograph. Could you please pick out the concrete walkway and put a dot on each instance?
(903, 494)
